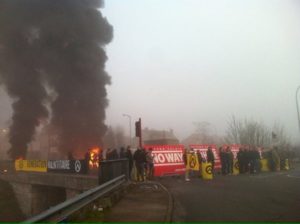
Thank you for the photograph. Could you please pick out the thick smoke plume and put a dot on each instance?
(58, 43)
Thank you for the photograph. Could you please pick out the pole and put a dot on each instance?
(129, 118)
(297, 105)
(140, 133)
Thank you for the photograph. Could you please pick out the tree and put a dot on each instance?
(251, 132)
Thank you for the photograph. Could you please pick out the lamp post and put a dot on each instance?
(129, 118)
(297, 105)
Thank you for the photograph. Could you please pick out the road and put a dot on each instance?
(272, 196)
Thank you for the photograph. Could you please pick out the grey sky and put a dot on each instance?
(174, 62)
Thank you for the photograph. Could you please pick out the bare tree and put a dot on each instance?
(251, 132)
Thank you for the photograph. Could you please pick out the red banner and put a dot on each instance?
(167, 159)
(203, 149)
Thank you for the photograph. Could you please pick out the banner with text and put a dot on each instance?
(203, 149)
(31, 165)
(167, 159)
(67, 166)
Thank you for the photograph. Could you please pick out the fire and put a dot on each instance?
(94, 158)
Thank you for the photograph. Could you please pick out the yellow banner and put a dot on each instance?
(192, 161)
(236, 167)
(207, 172)
(31, 165)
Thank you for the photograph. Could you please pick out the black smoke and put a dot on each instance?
(58, 44)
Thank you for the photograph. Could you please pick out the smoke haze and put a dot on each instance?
(58, 44)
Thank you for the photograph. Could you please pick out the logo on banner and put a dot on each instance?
(193, 162)
(208, 169)
(77, 166)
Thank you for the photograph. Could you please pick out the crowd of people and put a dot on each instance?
(248, 159)
(142, 160)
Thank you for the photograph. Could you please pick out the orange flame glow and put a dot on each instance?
(94, 158)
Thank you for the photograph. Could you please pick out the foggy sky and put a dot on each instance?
(175, 62)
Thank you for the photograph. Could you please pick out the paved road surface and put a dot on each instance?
(272, 196)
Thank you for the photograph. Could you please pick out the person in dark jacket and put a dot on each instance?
(247, 156)
(187, 171)
(223, 160)
(251, 156)
(140, 160)
(150, 163)
(122, 153)
(87, 158)
(210, 158)
(240, 158)
(256, 160)
(128, 155)
(230, 160)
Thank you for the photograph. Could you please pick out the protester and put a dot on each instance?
(87, 158)
(108, 154)
(150, 163)
(210, 158)
(223, 158)
(257, 159)
(240, 158)
(230, 158)
(139, 159)
(122, 153)
(251, 158)
(184, 158)
(246, 159)
(128, 155)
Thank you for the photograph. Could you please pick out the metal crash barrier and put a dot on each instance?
(59, 212)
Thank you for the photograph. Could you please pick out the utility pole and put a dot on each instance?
(138, 131)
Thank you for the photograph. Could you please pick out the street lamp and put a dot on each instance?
(297, 105)
(129, 118)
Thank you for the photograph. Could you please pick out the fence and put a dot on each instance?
(110, 169)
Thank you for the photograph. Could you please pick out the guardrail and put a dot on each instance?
(61, 211)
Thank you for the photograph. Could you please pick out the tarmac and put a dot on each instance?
(147, 201)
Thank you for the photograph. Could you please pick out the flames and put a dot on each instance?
(94, 158)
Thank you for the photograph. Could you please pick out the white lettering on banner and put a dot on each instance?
(174, 158)
(59, 164)
(160, 158)
(170, 157)
(178, 157)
